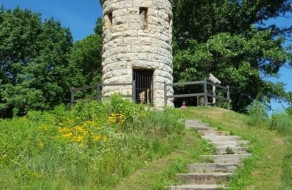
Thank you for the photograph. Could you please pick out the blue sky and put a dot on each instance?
(80, 17)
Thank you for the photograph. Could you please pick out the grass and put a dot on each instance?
(161, 173)
(287, 170)
(94, 146)
(120, 145)
(266, 169)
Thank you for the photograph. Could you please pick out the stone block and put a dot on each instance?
(130, 44)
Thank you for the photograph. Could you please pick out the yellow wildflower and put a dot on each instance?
(79, 138)
(143, 114)
(97, 138)
(67, 135)
(78, 128)
(41, 145)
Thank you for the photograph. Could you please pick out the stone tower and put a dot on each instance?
(137, 47)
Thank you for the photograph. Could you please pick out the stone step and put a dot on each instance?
(218, 169)
(226, 158)
(201, 128)
(205, 178)
(213, 167)
(221, 138)
(231, 150)
(231, 143)
(213, 133)
(198, 187)
(196, 124)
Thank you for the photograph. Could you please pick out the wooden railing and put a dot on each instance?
(205, 94)
(98, 88)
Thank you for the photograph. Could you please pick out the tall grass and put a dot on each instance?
(282, 123)
(92, 146)
(257, 112)
(287, 170)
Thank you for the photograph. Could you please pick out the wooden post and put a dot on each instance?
(72, 96)
(98, 96)
(214, 94)
(198, 100)
(134, 91)
(228, 96)
(165, 93)
(205, 93)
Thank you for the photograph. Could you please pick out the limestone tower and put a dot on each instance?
(137, 47)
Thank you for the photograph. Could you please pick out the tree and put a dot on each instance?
(229, 39)
(34, 62)
(86, 60)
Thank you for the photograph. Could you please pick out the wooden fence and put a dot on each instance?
(205, 94)
(98, 88)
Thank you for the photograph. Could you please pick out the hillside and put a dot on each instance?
(268, 168)
(121, 145)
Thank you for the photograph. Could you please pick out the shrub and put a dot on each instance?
(281, 122)
(257, 112)
(91, 146)
(289, 111)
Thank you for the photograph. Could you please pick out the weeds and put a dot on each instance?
(91, 147)
(257, 112)
(229, 150)
(281, 122)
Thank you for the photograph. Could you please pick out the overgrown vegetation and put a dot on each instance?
(121, 145)
(269, 167)
(282, 123)
(161, 173)
(91, 147)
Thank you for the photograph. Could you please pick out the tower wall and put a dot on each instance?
(137, 35)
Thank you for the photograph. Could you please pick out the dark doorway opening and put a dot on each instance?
(144, 85)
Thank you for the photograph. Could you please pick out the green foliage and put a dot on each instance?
(289, 111)
(85, 61)
(161, 173)
(281, 122)
(267, 147)
(34, 62)
(228, 39)
(257, 112)
(86, 148)
(287, 170)
(229, 150)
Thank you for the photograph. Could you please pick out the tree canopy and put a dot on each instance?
(230, 39)
(33, 62)
(86, 60)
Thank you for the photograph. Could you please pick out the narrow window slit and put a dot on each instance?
(110, 18)
(169, 20)
(143, 11)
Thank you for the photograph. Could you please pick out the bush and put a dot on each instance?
(90, 147)
(289, 111)
(257, 112)
(281, 122)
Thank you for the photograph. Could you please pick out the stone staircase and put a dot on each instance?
(217, 169)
